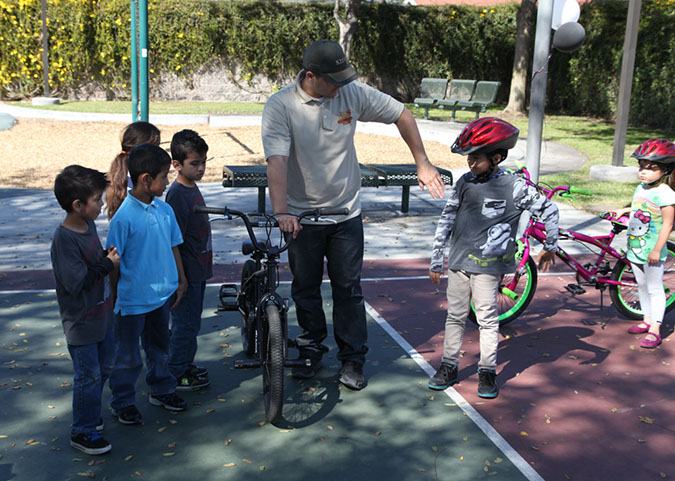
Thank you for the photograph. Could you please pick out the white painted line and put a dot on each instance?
(479, 420)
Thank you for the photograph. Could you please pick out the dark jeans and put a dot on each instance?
(186, 321)
(152, 329)
(342, 246)
(93, 364)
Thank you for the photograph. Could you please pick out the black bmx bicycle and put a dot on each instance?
(264, 326)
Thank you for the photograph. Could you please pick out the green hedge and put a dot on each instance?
(395, 46)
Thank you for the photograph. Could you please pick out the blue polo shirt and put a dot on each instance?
(144, 235)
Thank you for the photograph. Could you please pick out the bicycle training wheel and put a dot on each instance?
(512, 302)
(273, 364)
(625, 298)
(247, 304)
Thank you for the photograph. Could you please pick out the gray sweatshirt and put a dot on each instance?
(480, 221)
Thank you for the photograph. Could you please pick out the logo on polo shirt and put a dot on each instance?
(345, 118)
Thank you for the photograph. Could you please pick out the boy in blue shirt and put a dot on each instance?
(81, 269)
(145, 232)
(188, 151)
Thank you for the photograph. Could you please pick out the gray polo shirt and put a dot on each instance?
(317, 136)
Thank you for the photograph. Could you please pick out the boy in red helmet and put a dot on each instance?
(479, 221)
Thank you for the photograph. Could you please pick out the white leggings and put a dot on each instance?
(649, 278)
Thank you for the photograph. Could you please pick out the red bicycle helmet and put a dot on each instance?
(486, 135)
(661, 151)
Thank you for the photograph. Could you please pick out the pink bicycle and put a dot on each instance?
(610, 269)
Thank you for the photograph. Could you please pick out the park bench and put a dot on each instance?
(372, 175)
(460, 91)
(482, 98)
(432, 90)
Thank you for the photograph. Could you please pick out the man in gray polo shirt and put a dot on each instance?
(308, 137)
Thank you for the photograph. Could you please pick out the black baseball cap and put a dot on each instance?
(326, 58)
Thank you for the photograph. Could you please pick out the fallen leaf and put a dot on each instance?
(168, 454)
(434, 448)
(209, 411)
(162, 429)
(330, 427)
(129, 457)
(535, 448)
(247, 461)
(171, 446)
(523, 433)
(262, 423)
(229, 465)
(227, 443)
(88, 474)
(647, 420)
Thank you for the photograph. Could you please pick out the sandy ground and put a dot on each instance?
(35, 150)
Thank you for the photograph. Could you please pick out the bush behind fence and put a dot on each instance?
(395, 47)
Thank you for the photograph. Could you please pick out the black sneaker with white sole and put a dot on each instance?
(99, 425)
(487, 384)
(445, 377)
(128, 415)
(351, 375)
(172, 402)
(90, 443)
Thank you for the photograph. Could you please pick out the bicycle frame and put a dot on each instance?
(536, 231)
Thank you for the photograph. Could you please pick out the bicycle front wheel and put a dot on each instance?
(273, 364)
(626, 299)
(511, 302)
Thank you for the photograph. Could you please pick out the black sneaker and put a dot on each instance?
(351, 375)
(99, 425)
(90, 443)
(445, 377)
(487, 383)
(190, 382)
(168, 401)
(198, 371)
(128, 415)
(307, 372)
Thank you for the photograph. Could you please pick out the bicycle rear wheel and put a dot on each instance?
(247, 303)
(512, 302)
(626, 299)
(273, 364)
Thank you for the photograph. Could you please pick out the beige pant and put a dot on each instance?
(482, 290)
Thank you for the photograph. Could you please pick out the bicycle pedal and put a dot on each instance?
(247, 364)
(229, 297)
(298, 363)
(575, 289)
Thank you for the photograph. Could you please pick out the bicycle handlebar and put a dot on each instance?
(270, 221)
(561, 190)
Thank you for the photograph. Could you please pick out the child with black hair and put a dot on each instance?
(188, 151)
(146, 235)
(81, 268)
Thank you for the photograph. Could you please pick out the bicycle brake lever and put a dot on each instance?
(220, 217)
(568, 195)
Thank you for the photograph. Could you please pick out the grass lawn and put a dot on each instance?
(592, 137)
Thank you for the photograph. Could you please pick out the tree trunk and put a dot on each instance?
(521, 61)
(347, 23)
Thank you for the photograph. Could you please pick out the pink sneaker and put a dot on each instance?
(649, 343)
(639, 329)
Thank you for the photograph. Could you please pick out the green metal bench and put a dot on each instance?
(460, 91)
(483, 97)
(432, 90)
(373, 175)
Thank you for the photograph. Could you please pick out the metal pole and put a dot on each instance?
(143, 44)
(45, 48)
(626, 85)
(134, 62)
(542, 49)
